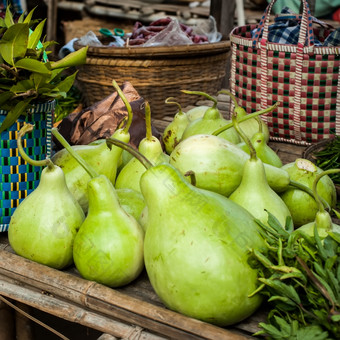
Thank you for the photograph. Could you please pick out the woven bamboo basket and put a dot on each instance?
(155, 72)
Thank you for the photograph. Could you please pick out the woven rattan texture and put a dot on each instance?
(319, 110)
(19, 179)
(155, 78)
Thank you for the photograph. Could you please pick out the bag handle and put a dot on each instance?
(306, 28)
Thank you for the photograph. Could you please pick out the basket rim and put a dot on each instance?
(159, 51)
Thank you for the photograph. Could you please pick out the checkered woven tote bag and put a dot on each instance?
(303, 77)
(17, 178)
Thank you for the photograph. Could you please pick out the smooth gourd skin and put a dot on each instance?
(302, 206)
(173, 132)
(209, 123)
(99, 157)
(131, 201)
(255, 195)
(44, 225)
(196, 249)
(108, 248)
(218, 164)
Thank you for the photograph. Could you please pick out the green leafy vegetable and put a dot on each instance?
(300, 276)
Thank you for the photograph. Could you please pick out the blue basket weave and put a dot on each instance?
(17, 178)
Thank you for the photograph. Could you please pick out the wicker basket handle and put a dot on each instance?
(306, 29)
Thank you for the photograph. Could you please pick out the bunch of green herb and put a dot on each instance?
(26, 75)
(300, 276)
(329, 158)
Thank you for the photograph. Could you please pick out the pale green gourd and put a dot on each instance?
(173, 132)
(131, 201)
(323, 221)
(196, 112)
(196, 248)
(99, 157)
(303, 206)
(254, 193)
(44, 225)
(218, 164)
(210, 122)
(263, 150)
(108, 248)
(151, 148)
(250, 126)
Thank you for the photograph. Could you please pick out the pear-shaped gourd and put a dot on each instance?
(302, 205)
(151, 148)
(196, 247)
(99, 157)
(218, 164)
(44, 225)
(263, 150)
(195, 250)
(131, 201)
(197, 112)
(254, 193)
(172, 134)
(108, 248)
(323, 221)
(210, 122)
(250, 126)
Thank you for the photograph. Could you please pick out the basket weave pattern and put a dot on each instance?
(304, 79)
(155, 76)
(19, 179)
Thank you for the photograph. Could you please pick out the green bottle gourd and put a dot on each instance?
(303, 206)
(196, 248)
(151, 148)
(210, 122)
(254, 193)
(131, 201)
(108, 248)
(44, 225)
(172, 134)
(218, 164)
(250, 126)
(98, 156)
(323, 221)
(196, 112)
(263, 150)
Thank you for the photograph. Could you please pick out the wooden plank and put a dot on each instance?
(109, 302)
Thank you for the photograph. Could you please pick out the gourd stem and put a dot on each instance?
(233, 98)
(317, 197)
(127, 104)
(113, 141)
(199, 93)
(250, 145)
(309, 191)
(148, 121)
(258, 119)
(45, 162)
(248, 116)
(74, 154)
(192, 176)
(170, 100)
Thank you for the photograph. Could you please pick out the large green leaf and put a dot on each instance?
(14, 114)
(66, 84)
(29, 16)
(35, 36)
(73, 59)
(23, 86)
(33, 66)
(5, 96)
(13, 44)
(40, 80)
(9, 17)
